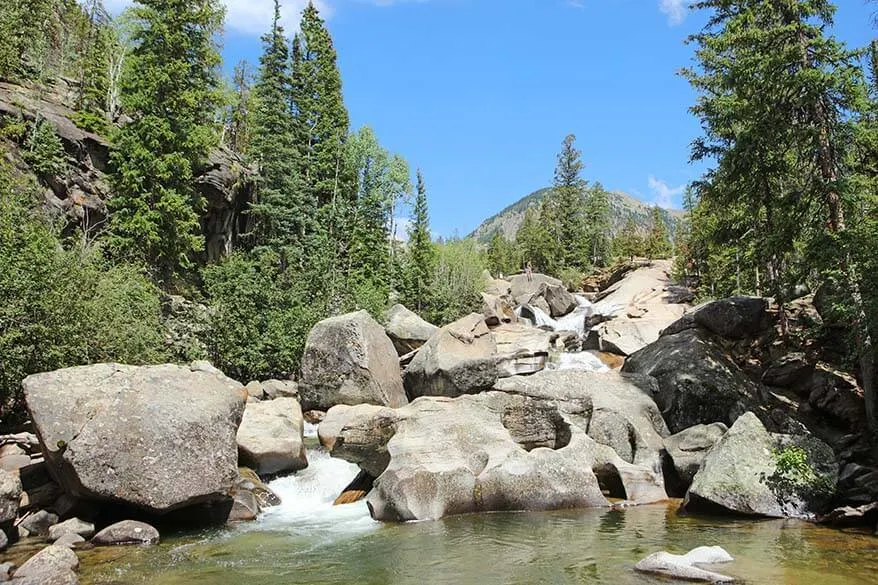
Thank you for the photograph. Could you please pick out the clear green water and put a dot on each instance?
(589, 546)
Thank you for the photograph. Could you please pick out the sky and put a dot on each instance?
(479, 94)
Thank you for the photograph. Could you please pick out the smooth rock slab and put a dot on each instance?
(270, 436)
(126, 532)
(683, 567)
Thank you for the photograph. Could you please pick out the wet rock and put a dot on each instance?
(407, 330)
(47, 565)
(245, 507)
(847, 516)
(72, 526)
(37, 523)
(686, 451)
(249, 481)
(698, 381)
(458, 359)
(350, 360)
(270, 436)
(752, 472)
(732, 318)
(684, 567)
(126, 532)
(155, 437)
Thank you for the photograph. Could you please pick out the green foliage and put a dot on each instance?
(456, 281)
(566, 219)
(260, 316)
(503, 258)
(629, 242)
(597, 218)
(43, 150)
(658, 240)
(23, 35)
(795, 475)
(64, 308)
(171, 88)
(421, 258)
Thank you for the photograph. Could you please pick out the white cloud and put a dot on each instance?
(252, 17)
(675, 9)
(664, 195)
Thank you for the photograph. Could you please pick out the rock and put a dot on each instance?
(280, 389)
(846, 516)
(496, 286)
(683, 567)
(270, 437)
(69, 540)
(559, 300)
(350, 360)
(520, 349)
(407, 330)
(38, 524)
(4, 542)
(6, 570)
(254, 390)
(64, 577)
(752, 472)
(698, 382)
(360, 434)
(245, 507)
(206, 367)
(523, 288)
(72, 526)
(459, 359)
(48, 562)
(249, 481)
(155, 437)
(126, 532)
(685, 452)
(732, 318)
(625, 336)
(10, 495)
(790, 370)
(496, 310)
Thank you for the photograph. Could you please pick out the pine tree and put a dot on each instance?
(421, 252)
(23, 36)
(629, 242)
(502, 258)
(171, 91)
(567, 202)
(658, 241)
(284, 215)
(596, 216)
(238, 120)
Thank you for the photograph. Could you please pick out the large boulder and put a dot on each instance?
(54, 564)
(753, 472)
(524, 446)
(732, 318)
(407, 330)
(624, 335)
(684, 453)
(496, 310)
(126, 532)
(521, 349)
(270, 438)
(698, 382)
(459, 359)
(154, 437)
(559, 300)
(350, 360)
(522, 287)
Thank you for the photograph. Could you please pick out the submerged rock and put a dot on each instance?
(126, 532)
(155, 437)
(270, 436)
(683, 567)
(350, 360)
(407, 330)
(753, 472)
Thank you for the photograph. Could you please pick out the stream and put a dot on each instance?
(307, 540)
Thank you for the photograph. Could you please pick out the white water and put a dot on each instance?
(573, 321)
(582, 360)
(306, 501)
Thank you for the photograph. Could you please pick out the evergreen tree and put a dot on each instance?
(569, 188)
(658, 241)
(629, 242)
(502, 257)
(23, 36)
(421, 252)
(284, 215)
(596, 215)
(171, 91)
(238, 119)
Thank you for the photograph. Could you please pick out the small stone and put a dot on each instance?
(69, 540)
(72, 526)
(280, 389)
(254, 390)
(126, 532)
(39, 523)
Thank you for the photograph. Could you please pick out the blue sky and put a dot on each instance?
(480, 93)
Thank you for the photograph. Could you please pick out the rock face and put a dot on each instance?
(524, 446)
(155, 437)
(350, 360)
(496, 310)
(733, 318)
(685, 452)
(684, 567)
(407, 330)
(270, 437)
(458, 359)
(126, 532)
(750, 471)
(698, 382)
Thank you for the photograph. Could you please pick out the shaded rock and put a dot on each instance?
(126, 532)
(496, 310)
(37, 523)
(270, 436)
(684, 567)
(249, 481)
(350, 360)
(698, 382)
(732, 318)
(459, 359)
(847, 516)
(245, 507)
(790, 370)
(48, 562)
(355, 491)
(407, 330)
(360, 434)
(686, 451)
(4, 541)
(155, 437)
(72, 526)
(750, 471)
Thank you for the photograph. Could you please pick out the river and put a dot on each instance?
(307, 540)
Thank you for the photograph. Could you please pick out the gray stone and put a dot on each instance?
(280, 389)
(6, 570)
(254, 390)
(741, 474)
(4, 540)
(459, 359)
(523, 288)
(688, 448)
(521, 349)
(270, 436)
(206, 367)
(698, 382)
(558, 299)
(683, 567)
(407, 330)
(126, 532)
(245, 507)
(732, 318)
(10, 495)
(69, 540)
(495, 310)
(38, 523)
(155, 437)
(790, 370)
(72, 526)
(50, 561)
(350, 360)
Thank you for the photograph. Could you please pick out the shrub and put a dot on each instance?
(43, 150)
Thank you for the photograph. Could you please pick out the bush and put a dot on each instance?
(63, 308)
(457, 280)
(43, 150)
